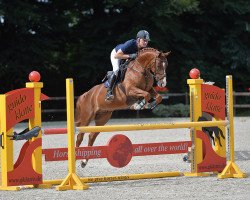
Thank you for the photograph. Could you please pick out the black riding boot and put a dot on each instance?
(109, 95)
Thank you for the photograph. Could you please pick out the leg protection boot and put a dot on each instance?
(109, 95)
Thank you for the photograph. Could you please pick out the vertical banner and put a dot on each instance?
(213, 100)
(19, 106)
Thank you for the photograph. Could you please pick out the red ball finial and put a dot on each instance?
(194, 73)
(34, 76)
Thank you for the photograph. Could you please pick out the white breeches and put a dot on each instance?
(114, 61)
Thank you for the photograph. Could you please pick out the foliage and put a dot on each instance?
(67, 38)
(177, 110)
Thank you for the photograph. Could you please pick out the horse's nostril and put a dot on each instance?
(162, 83)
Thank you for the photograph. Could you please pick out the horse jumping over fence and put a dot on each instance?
(137, 86)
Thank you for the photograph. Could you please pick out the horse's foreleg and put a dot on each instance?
(158, 99)
(138, 93)
(153, 93)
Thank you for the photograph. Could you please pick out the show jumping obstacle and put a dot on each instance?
(22, 104)
(16, 106)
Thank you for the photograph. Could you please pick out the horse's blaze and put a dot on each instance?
(162, 83)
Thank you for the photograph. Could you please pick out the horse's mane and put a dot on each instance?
(147, 49)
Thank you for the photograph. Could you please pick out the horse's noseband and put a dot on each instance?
(162, 75)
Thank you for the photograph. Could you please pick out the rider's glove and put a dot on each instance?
(132, 56)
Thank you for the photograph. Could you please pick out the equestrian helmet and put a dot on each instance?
(143, 34)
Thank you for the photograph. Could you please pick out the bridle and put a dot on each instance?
(149, 67)
(157, 71)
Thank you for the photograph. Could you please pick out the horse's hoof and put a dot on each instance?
(83, 164)
(186, 159)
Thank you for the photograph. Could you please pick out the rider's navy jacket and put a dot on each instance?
(128, 47)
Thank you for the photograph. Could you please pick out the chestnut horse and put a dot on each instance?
(136, 86)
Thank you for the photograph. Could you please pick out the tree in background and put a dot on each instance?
(74, 38)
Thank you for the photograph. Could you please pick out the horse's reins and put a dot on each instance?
(163, 75)
(152, 63)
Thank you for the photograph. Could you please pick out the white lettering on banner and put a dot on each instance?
(150, 149)
(79, 153)
(179, 147)
(59, 154)
(87, 154)
(183, 146)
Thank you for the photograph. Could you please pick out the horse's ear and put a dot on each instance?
(166, 54)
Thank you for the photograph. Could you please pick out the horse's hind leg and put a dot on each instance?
(79, 139)
(80, 136)
(83, 118)
(101, 119)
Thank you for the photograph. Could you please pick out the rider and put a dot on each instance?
(127, 50)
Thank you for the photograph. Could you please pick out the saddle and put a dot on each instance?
(121, 73)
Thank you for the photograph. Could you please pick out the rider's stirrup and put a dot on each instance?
(109, 96)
